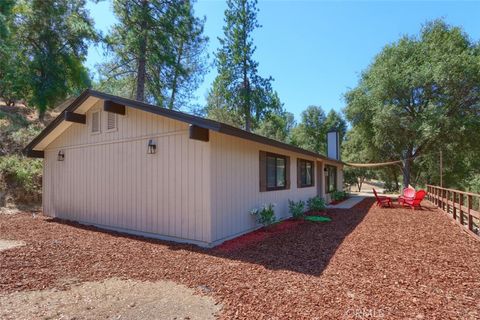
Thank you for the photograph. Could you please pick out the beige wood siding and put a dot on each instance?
(108, 179)
(200, 192)
(235, 185)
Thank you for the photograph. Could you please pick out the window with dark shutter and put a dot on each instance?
(305, 173)
(274, 171)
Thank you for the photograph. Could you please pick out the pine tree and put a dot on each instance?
(158, 49)
(54, 37)
(244, 92)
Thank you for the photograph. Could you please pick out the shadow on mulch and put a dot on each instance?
(306, 248)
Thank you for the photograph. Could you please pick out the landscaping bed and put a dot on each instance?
(392, 263)
(334, 202)
(255, 237)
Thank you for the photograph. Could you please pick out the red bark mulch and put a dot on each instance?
(334, 202)
(254, 237)
(369, 261)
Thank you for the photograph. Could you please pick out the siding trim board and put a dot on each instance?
(107, 142)
(172, 114)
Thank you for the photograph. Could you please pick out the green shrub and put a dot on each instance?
(23, 136)
(297, 209)
(316, 204)
(339, 195)
(21, 177)
(265, 215)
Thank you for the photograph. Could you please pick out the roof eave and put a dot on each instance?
(30, 151)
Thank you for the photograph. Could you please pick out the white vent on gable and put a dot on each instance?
(95, 122)
(111, 121)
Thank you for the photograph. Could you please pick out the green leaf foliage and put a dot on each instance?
(156, 52)
(354, 151)
(277, 124)
(11, 79)
(238, 89)
(54, 36)
(266, 215)
(420, 94)
(339, 195)
(296, 208)
(316, 204)
(311, 133)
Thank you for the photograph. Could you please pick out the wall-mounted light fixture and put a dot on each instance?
(151, 147)
(325, 169)
(60, 155)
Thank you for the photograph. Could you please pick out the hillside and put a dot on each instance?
(20, 177)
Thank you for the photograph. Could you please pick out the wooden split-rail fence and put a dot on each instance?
(463, 207)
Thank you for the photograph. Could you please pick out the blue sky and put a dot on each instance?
(316, 50)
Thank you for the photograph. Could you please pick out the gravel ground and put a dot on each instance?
(367, 263)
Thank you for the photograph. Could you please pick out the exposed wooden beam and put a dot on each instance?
(35, 154)
(75, 117)
(198, 133)
(113, 107)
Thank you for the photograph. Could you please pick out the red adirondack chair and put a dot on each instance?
(382, 201)
(415, 202)
(408, 194)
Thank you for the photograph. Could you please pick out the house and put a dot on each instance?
(129, 166)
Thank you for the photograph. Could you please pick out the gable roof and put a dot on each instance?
(32, 149)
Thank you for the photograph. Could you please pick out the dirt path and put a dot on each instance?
(367, 263)
(10, 244)
(110, 299)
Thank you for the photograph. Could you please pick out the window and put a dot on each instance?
(274, 171)
(305, 177)
(95, 122)
(331, 178)
(111, 121)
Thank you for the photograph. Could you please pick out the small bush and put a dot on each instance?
(339, 195)
(297, 209)
(23, 136)
(21, 178)
(316, 204)
(265, 215)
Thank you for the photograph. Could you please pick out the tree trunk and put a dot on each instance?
(246, 100)
(41, 115)
(246, 84)
(142, 58)
(141, 70)
(175, 77)
(248, 123)
(406, 172)
(9, 102)
(360, 181)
